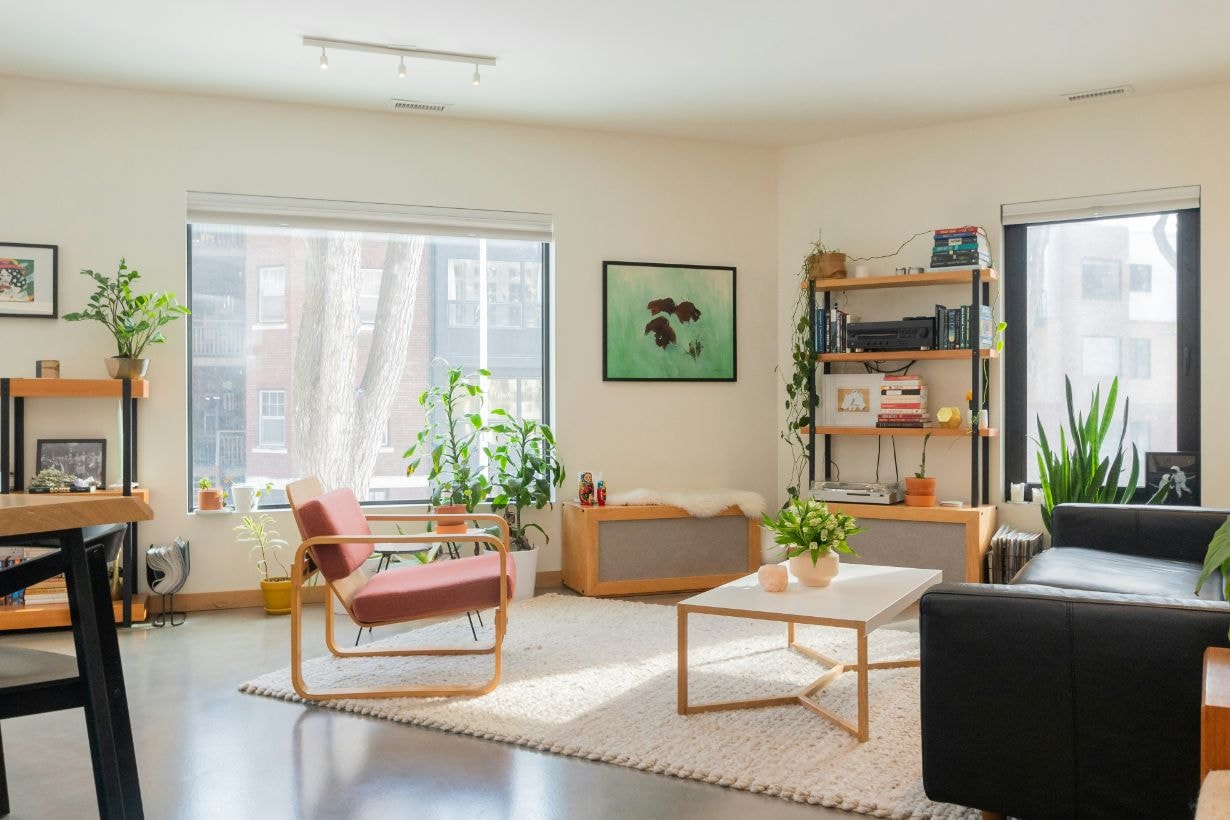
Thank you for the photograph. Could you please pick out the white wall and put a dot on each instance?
(871, 193)
(102, 173)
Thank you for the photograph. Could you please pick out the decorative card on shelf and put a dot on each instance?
(28, 280)
(851, 400)
(1180, 472)
(665, 322)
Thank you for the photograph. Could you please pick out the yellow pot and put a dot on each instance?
(276, 592)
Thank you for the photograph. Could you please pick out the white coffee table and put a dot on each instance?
(861, 597)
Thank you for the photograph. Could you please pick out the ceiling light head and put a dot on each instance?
(324, 59)
(477, 78)
(401, 67)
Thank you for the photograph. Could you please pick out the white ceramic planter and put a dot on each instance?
(820, 574)
(527, 573)
(244, 496)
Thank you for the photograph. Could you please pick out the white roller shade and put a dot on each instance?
(289, 212)
(1087, 207)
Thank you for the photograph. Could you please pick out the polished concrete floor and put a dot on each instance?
(206, 751)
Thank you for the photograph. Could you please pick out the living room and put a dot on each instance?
(137, 134)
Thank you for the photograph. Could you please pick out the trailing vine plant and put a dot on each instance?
(798, 393)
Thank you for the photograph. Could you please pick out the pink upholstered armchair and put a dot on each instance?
(337, 540)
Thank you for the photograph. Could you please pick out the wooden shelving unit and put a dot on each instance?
(979, 281)
(13, 395)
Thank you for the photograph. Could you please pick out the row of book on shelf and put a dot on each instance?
(954, 328)
(830, 330)
(1010, 550)
(51, 591)
(903, 402)
(964, 247)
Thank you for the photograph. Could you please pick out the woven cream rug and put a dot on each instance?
(597, 679)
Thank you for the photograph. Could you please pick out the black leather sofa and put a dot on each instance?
(1075, 690)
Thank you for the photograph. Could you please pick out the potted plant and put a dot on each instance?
(208, 497)
(259, 532)
(1079, 472)
(134, 319)
(450, 437)
(248, 496)
(823, 262)
(813, 537)
(525, 469)
(919, 489)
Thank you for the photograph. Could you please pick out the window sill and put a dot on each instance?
(270, 450)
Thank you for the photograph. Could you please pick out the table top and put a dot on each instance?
(860, 595)
(23, 514)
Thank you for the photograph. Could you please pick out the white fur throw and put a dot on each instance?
(699, 503)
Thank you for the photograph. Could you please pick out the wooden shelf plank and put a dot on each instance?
(48, 616)
(76, 388)
(947, 432)
(960, 276)
(138, 492)
(906, 355)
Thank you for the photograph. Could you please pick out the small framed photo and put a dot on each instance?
(851, 400)
(1178, 471)
(85, 458)
(28, 275)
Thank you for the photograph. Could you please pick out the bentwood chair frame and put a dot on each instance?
(303, 568)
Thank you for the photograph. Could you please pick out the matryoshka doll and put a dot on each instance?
(600, 491)
(585, 492)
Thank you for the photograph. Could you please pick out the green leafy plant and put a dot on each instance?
(1218, 557)
(450, 440)
(797, 384)
(1078, 472)
(525, 467)
(52, 479)
(134, 319)
(806, 525)
(204, 483)
(922, 467)
(258, 531)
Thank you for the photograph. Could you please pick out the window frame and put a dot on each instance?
(1017, 427)
(261, 297)
(260, 419)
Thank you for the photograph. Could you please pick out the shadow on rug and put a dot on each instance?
(596, 679)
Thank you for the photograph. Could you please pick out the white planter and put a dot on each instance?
(770, 552)
(244, 496)
(527, 572)
(819, 574)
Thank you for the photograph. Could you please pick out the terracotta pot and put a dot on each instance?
(819, 574)
(276, 592)
(826, 266)
(920, 492)
(209, 499)
(120, 368)
(456, 523)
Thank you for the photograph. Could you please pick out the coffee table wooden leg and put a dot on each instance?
(863, 718)
(682, 616)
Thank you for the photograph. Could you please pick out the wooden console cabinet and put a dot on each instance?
(953, 540)
(647, 549)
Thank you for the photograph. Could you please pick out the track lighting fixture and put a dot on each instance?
(401, 52)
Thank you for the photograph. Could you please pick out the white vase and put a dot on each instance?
(527, 572)
(771, 552)
(819, 574)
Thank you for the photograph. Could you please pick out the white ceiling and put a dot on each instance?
(781, 72)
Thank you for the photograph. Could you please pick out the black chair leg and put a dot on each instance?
(102, 675)
(4, 783)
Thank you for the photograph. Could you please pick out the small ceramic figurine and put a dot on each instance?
(585, 492)
(601, 491)
(773, 577)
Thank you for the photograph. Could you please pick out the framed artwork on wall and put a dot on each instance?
(663, 322)
(84, 458)
(851, 400)
(1181, 471)
(28, 284)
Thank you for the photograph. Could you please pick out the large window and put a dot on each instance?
(1093, 299)
(332, 387)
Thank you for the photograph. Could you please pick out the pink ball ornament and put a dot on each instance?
(773, 578)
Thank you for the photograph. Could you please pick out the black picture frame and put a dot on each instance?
(1182, 469)
(82, 457)
(38, 266)
(667, 322)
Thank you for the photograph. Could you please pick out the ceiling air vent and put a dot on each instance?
(416, 105)
(1098, 94)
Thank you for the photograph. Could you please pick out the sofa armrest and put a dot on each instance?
(1178, 533)
(1044, 702)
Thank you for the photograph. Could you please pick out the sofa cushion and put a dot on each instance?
(336, 513)
(1098, 571)
(439, 588)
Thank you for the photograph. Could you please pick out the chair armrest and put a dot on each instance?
(1041, 702)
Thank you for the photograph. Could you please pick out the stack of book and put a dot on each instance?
(964, 247)
(50, 591)
(1010, 550)
(830, 330)
(903, 403)
(954, 328)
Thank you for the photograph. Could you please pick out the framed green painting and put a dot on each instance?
(664, 322)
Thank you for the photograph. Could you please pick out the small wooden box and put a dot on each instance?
(647, 549)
